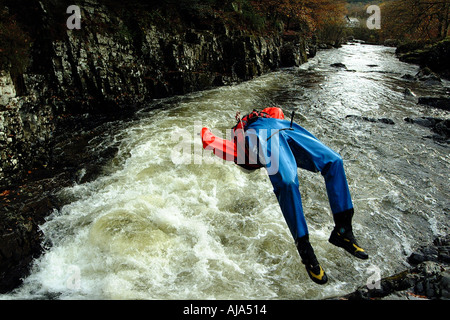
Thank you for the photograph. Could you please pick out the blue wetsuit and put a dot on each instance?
(282, 149)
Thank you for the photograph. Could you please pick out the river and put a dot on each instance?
(167, 221)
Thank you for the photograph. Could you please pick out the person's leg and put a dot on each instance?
(285, 184)
(342, 234)
(286, 188)
(313, 155)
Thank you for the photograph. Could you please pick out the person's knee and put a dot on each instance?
(336, 163)
(284, 178)
(287, 183)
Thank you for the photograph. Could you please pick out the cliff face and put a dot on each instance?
(115, 62)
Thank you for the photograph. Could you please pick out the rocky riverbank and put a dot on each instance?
(78, 80)
(428, 55)
(428, 277)
(25, 206)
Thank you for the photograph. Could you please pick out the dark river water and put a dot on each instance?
(167, 220)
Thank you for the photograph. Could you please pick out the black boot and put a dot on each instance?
(342, 234)
(314, 270)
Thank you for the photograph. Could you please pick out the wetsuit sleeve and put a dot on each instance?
(222, 148)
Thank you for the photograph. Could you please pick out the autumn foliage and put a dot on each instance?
(305, 15)
(416, 19)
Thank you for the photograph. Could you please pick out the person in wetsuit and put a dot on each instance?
(266, 139)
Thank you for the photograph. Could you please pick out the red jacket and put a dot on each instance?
(228, 150)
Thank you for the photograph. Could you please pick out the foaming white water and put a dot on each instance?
(153, 227)
(155, 230)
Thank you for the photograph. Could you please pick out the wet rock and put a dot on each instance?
(427, 122)
(436, 102)
(408, 93)
(430, 280)
(424, 75)
(324, 46)
(408, 77)
(439, 251)
(428, 277)
(7, 89)
(24, 207)
(311, 48)
(368, 119)
(386, 121)
(23, 210)
(338, 65)
(441, 127)
(289, 55)
(26, 130)
(428, 76)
